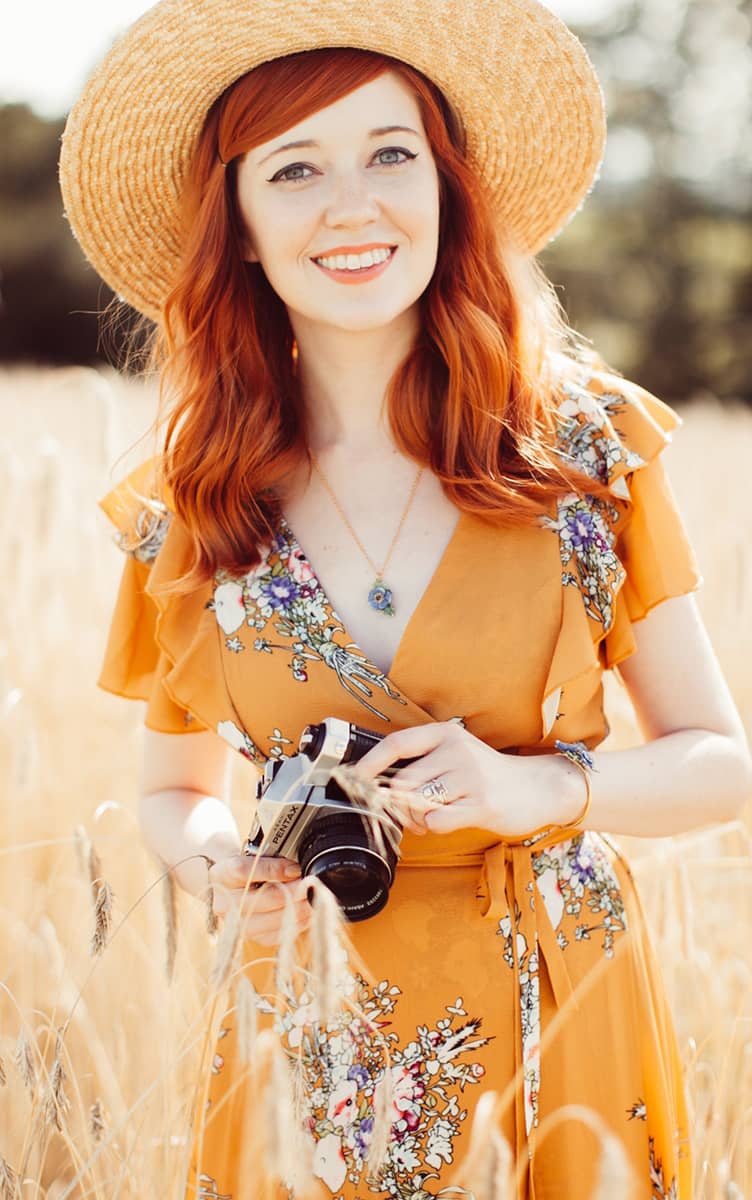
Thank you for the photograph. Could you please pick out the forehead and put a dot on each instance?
(386, 100)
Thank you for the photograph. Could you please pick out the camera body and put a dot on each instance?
(304, 815)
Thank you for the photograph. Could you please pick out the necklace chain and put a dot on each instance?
(379, 572)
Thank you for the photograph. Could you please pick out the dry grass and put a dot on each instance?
(98, 1053)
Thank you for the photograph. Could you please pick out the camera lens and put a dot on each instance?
(339, 850)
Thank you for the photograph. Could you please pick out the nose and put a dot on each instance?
(352, 202)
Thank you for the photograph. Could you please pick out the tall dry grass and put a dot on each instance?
(104, 1000)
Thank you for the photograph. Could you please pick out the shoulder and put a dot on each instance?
(140, 508)
(606, 425)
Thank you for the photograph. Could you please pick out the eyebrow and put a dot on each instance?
(309, 144)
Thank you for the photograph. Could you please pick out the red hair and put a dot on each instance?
(474, 399)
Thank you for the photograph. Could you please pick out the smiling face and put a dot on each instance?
(346, 226)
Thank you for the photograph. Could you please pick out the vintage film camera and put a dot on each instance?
(303, 814)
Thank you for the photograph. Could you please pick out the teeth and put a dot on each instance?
(354, 262)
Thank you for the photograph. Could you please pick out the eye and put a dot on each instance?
(292, 174)
(393, 150)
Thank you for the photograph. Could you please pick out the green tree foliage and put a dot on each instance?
(49, 295)
(657, 269)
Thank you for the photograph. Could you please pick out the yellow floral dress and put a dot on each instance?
(460, 978)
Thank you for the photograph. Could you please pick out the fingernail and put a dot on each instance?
(291, 871)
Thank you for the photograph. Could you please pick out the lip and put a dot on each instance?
(362, 276)
(354, 249)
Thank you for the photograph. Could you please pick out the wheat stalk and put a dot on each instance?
(246, 1015)
(488, 1164)
(25, 1062)
(170, 906)
(9, 1185)
(102, 896)
(56, 1103)
(229, 940)
(327, 932)
(211, 918)
(97, 1126)
(382, 1124)
(284, 967)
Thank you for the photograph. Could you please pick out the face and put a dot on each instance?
(345, 226)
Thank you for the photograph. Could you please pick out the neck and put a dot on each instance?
(344, 377)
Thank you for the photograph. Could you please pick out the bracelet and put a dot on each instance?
(578, 753)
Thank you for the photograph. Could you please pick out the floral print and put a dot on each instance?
(149, 532)
(586, 544)
(569, 876)
(517, 952)
(240, 741)
(344, 1062)
(576, 875)
(661, 1190)
(282, 601)
(586, 524)
(207, 1189)
(586, 434)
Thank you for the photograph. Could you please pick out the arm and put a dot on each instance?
(183, 810)
(695, 767)
(694, 770)
(184, 813)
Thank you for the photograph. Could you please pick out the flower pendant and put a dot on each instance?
(380, 598)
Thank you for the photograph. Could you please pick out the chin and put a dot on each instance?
(366, 320)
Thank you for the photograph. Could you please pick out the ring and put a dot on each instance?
(435, 790)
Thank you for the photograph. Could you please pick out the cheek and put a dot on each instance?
(287, 232)
(422, 211)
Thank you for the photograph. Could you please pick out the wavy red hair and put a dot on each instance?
(473, 400)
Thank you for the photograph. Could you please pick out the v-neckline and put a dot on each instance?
(423, 600)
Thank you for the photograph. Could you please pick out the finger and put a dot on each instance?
(274, 937)
(263, 897)
(403, 743)
(236, 870)
(267, 927)
(270, 897)
(421, 805)
(437, 765)
(448, 818)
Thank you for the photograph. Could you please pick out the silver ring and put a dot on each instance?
(435, 790)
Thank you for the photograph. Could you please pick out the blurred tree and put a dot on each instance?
(657, 269)
(49, 295)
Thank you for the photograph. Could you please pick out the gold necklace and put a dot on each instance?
(380, 596)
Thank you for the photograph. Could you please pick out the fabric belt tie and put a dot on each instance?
(509, 895)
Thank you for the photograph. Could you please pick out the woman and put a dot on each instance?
(392, 493)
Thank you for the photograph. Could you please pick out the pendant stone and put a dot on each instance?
(380, 598)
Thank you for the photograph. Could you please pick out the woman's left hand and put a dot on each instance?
(507, 794)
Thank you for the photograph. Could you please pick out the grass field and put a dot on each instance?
(98, 1051)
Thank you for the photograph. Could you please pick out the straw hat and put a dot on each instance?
(522, 83)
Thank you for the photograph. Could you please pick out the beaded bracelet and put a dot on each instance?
(578, 753)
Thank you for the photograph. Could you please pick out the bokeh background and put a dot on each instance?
(657, 268)
(657, 271)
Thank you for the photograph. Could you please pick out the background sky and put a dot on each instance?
(48, 47)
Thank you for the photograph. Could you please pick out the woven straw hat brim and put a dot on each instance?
(522, 83)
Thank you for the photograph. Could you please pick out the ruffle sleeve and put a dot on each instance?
(621, 556)
(156, 641)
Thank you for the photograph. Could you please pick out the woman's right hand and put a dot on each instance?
(276, 882)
